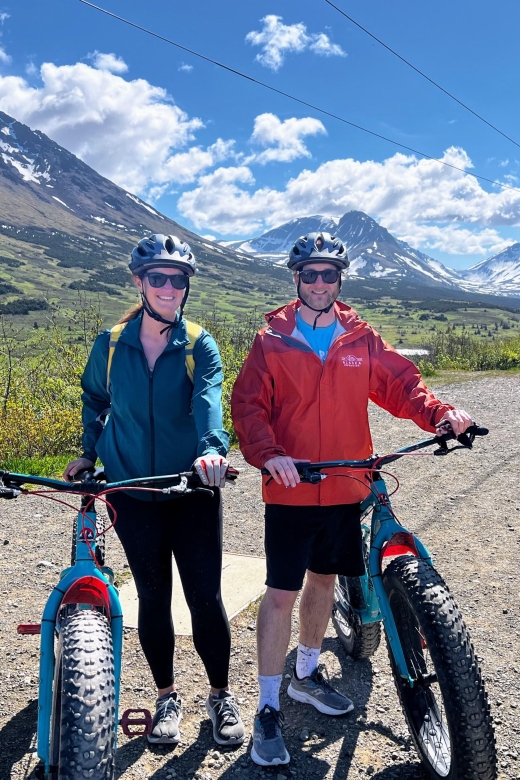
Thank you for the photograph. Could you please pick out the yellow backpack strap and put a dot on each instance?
(193, 332)
(115, 332)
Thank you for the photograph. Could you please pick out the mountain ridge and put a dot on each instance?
(375, 253)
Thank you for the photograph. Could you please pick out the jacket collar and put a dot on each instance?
(283, 320)
(130, 334)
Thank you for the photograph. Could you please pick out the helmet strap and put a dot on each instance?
(156, 316)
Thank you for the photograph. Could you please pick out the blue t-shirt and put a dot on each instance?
(318, 339)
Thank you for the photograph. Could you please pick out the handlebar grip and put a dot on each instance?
(83, 475)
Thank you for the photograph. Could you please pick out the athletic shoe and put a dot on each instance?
(318, 691)
(165, 723)
(268, 745)
(228, 728)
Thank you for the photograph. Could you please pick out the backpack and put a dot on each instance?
(193, 331)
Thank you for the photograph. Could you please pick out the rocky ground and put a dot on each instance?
(466, 509)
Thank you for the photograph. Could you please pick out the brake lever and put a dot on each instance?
(10, 492)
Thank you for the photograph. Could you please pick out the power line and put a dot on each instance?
(296, 99)
(420, 72)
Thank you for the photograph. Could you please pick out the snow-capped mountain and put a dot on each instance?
(280, 240)
(44, 186)
(501, 272)
(373, 251)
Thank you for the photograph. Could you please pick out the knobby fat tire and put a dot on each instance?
(358, 642)
(88, 725)
(420, 600)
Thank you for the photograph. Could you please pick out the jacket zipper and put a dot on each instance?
(152, 424)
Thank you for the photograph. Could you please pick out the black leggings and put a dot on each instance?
(190, 527)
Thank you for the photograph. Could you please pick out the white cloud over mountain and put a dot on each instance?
(133, 133)
(422, 201)
(283, 139)
(277, 39)
(129, 131)
(110, 62)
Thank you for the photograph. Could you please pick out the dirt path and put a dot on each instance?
(465, 508)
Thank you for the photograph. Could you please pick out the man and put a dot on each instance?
(302, 394)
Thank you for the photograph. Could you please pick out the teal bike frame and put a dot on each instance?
(85, 585)
(385, 537)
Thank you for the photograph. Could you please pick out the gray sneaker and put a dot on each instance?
(165, 723)
(268, 745)
(318, 691)
(228, 728)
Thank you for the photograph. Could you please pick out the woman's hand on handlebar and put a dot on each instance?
(458, 419)
(76, 465)
(212, 470)
(283, 470)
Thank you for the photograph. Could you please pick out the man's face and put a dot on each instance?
(319, 294)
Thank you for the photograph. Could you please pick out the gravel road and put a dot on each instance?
(466, 508)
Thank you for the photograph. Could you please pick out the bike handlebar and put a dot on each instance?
(93, 481)
(465, 440)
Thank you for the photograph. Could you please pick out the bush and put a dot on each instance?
(460, 351)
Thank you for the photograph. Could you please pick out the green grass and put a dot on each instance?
(51, 466)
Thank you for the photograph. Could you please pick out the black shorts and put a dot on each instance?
(323, 539)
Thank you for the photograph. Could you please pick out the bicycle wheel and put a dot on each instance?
(447, 709)
(86, 720)
(359, 640)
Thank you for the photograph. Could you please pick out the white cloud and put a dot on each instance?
(283, 139)
(129, 131)
(185, 68)
(4, 56)
(4, 16)
(423, 202)
(278, 39)
(109, 61)
(31, 69)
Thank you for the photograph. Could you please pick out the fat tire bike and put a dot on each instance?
(81, 632)
(435, 669)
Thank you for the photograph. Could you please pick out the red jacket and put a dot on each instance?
(286, 402)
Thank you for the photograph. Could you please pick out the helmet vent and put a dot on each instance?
(319, 243)
(169, 245)
(142, 251)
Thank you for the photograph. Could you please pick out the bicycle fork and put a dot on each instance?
(388, 538)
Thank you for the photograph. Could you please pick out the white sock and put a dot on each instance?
(269, 691)
(306, 660)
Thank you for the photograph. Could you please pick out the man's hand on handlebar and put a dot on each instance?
(283, 471)
(458, 419)
(80, 464)
(211, 470)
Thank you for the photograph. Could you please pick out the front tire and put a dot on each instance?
(87, 703)
(447, 709)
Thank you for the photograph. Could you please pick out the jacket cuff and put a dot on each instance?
(215, 442)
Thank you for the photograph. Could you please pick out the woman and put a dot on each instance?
(164, 422)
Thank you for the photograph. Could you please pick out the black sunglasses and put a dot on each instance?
(329, 276)
(178, 281)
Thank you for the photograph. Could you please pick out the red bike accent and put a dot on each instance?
(401, 543)
(29, 628)
(127, 721)
(88, 590)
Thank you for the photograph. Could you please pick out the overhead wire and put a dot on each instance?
(421, 73)
(295, 99)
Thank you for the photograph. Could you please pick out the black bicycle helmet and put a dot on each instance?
(159, 250)
(315, 247)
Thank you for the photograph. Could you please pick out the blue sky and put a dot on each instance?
(230, 159)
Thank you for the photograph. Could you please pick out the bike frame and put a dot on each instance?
(83, 577)
(84, 584)
(385, 537)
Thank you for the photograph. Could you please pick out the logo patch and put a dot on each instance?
(351, 361)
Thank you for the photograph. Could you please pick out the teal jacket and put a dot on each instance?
(160, 422)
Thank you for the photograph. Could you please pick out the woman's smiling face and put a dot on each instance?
(164, 300)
